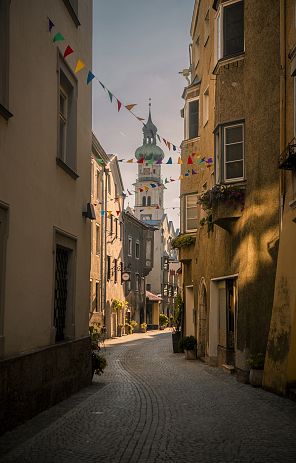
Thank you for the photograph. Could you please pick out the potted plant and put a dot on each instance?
(189, 346)
(143, 327)
(177, 318)
(133, 324)
(128, 328)
(256, 364)
(163, 321)
(99, 363)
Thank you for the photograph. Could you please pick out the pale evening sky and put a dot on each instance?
(139, 47)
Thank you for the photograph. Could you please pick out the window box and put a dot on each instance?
(185, 244)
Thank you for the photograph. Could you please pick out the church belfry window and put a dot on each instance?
(149, 201)
(144, 201)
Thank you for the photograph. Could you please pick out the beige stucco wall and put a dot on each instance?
(39, 194)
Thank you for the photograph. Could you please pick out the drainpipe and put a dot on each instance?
(283, 72)
(104, 231)
(102, 260)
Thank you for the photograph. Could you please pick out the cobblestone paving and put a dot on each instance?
(153, 406)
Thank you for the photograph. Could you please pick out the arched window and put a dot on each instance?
(149, 201)
(144, 201)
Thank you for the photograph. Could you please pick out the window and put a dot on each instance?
(229, 153)
(97, 296)
(67, 133)
(191, 212)
(148, 287)
(230, 29)
(98, 176)
(108, 267)
(144, 201)
(137, 250)
(115, 270)
(4, 58)
(149, 201)
(146, 217)
(197, 52)
(192, 119)
(98, 239)
(108, 184)
(207, 27)
(92, 179)
(130, 246)
(111, 224)
(206, 106)
(137, 282)
(116, 228)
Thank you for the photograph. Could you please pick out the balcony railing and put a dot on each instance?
(287, 159)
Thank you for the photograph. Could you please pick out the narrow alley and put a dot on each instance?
(151, 405)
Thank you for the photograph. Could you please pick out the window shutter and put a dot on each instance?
(233, 29)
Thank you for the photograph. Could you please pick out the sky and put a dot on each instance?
(139, 47)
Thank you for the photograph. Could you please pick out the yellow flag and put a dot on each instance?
(146, 188)
(109, 212)
(181, 177)
(180, 161)
(130, 160)
(130, 106)
(79, 65)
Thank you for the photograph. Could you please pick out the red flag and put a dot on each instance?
(168, 145)
(117, 212)
(189, 160)
(141, 161)
(68, 51)
(118, 105)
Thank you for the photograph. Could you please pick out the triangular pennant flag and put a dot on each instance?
(153, 185)
(141, 210)
(130, 106)
(100, 161)
(210, 160)
(68, 51)
(109, 213)
(140, 119)
(58, 37)
(146, 188)
(117, 212)
(102, 85)
(174, 147)
(193, 172)
(150, 162)
(119, 104)
(141, 190)
(90, 77)
(110, 95)
(102, 212)
(79, 65)
(169, 161)
(157, 207)
(180, 161)
(159, 139)
(193, 154)
(186, 174)
(181, 177)
(141, 161)
(50, 24)
(168, 145)
(172, 179)
(166, 181)
(129, 192)
(164, 140)
(130, 160)
(159, 161)
(189, 160)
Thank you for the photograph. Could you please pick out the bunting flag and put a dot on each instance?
(210, 160)
(146, 188)
(180, 161)
(170, 161)
(79, 65)
(140, 118)
(193, 172)
(153, 185)
(102, 212)
(50, 24)
(90, 77)
(159, 161)
(186, 174)
(150, 162)
(110, 95)
(159, 139)
(165, 142)
(117, 212)
(109, 213)
(174, 147)
(189, 160)
(119, 104)
(169, 145)
(141, 161)
(129, 107)
(166, 181)
(141, 190)
(58, 37)
(181, 177)
(102, 85)
(171, 179)
(68, 51)
(129, 192)
(130, 161)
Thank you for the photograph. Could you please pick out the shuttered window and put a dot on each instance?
(233, 29)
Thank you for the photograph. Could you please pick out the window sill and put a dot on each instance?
(191, 140)
(67, 169)
(5, 113)
(227, 60)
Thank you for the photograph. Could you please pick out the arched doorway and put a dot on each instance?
(202, 320)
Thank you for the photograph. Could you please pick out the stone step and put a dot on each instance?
(230, 369)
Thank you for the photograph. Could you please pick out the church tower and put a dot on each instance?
(149, 187)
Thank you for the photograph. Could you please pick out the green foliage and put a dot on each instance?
(188, 343)
(99, 363)
(133, 324)
(221, 193)
(118, 304)
(256, 361)
(163, 319)
(178, 310)
(143, 326)
(95, 333)
(183, 241)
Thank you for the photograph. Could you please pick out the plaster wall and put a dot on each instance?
(39, 194)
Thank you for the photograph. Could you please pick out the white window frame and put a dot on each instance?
(130, 246)
(137, 246)
(219, 46)
(98, 239)
(63, 118)
(197, 51)
(206, 106)
(191, 100)
(231, 126)
(188, 230)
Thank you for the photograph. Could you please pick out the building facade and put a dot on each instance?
(280, 366)
(229, 267)
(45, 141)
(138, 262)
(107, 241)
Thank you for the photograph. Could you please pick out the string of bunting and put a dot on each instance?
(80, 64)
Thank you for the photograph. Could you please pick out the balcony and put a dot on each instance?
(287, 159)
(185, 245)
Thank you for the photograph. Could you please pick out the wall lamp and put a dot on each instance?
(90, 212)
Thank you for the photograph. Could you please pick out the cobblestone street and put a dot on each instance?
(153, 406)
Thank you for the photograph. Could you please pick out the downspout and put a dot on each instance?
(283, 72)
(105, 243)
(102, 260)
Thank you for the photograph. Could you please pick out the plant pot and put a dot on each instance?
(256, 377)
(161, 327)
(143, 330)
(190, 354)
(176, 337)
